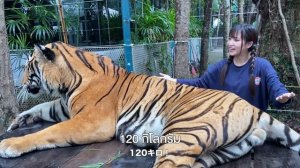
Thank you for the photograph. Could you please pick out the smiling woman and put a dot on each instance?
(244, 73)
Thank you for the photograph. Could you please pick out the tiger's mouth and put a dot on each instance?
(29, 90)
(34, 85)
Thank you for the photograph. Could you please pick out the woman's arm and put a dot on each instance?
(278, 94)
(208, 79)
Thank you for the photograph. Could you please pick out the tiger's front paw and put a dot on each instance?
(22, 121)
(13, 147)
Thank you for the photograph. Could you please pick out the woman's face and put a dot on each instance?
(237, 46)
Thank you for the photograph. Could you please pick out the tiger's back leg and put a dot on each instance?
(194, 145)
(279, 132)
(227, 154)
(184, 152)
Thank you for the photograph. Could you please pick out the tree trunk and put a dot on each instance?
(205, 36)
(8, 103)
(241, 11)
(273, 44)
(62, 21)
(227, 23)
(250, 15)
(219, 17)
(287, 36)
(181, 65)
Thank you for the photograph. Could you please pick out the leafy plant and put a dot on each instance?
(115, 33)
(158, 25)
(16, 21)
(161, 61)
(195, 28)
(41, 33)
(19, 41)
(43, 15)
(29, 24)
(165, 61)
(154, 25)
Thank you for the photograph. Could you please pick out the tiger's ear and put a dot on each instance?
(48, 53)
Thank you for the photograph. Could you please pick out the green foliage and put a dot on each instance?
(165, 60)
(17, 21)
(41, 33)
(282, 65)
(161, 60)
(154, 25)
(30, 24)
(235, 20)
(19, 41)
(43, 15)
(216, 5)
(158, 25)
(115, 32)
(196, 6)
(234, 6)
(195, 28)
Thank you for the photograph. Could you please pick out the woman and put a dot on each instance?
(243, 73)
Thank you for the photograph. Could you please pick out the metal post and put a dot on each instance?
(172, 50)
(125, 6)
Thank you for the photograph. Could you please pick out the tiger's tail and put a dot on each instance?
(279, 132)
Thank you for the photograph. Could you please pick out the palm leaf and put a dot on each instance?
(41, 32)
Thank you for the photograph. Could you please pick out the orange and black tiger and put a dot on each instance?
(99, 101)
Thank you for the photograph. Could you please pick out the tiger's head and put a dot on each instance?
(45, 70)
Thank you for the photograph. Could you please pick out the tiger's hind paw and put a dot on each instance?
(257, 137)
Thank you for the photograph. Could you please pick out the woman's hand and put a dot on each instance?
(165, 76)
(285, 97)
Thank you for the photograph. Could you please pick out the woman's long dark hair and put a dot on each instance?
(248, 34)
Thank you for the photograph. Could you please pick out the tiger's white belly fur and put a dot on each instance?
(142, 133)
(151, 129)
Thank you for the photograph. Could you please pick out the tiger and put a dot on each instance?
(99, 101)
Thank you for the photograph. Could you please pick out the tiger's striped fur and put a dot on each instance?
(104, 101)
